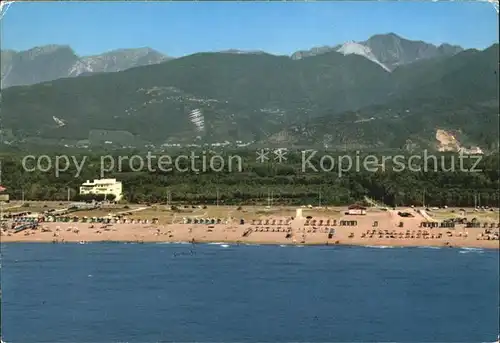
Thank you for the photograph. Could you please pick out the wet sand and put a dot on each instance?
(296, 232)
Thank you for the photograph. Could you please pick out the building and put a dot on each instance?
(356, 209)
(103, 187)
(298, 213)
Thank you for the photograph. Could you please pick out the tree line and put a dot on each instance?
(450, 182)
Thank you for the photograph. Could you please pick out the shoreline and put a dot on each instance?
(148, 235)
(376, 229)
(492, 247)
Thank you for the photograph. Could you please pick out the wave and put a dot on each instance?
(380, 246)
(470, 250)
(225, 245)
(430, 247)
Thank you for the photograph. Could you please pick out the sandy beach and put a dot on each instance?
(376, 228)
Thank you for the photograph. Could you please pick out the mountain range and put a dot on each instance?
(381, 93)
(51, 62)
(388, 50)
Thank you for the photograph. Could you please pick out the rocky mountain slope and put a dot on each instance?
(457, 94)
(388, 50)
(53, 62)
(345, 99)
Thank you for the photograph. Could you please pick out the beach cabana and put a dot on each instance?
(356, 209)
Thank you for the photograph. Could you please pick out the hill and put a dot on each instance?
(457, 94)
(253, 97)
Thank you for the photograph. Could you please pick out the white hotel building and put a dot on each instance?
(103, 186)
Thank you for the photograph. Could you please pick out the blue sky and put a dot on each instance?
(180, 28)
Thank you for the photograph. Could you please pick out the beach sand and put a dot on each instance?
(298, 231)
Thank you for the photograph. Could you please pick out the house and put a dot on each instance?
(356, 209)
(103, 187)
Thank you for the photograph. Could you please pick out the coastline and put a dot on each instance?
(261, 243)
(234, 234)
(405, 227)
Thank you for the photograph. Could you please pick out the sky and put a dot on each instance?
(182, 28)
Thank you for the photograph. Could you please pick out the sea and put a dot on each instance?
(116, 292)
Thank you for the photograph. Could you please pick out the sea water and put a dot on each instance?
(101, 292)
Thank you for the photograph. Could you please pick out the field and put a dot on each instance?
(167, 216)
(32, 206)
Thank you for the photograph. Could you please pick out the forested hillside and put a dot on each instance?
(253, 97)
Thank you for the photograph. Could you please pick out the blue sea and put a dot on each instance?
(105, 292)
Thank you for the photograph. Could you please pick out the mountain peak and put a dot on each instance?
(393, 50)
(47, 49)
(386, 35)
(388, 50)
(242, 52)
(50, 62)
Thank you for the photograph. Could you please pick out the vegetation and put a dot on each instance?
(394, 125)
(341, 102)
(286, 183)
(256, 96)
